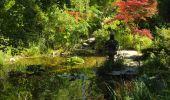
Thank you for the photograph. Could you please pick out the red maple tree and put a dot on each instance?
(135, 10)
(144, 32)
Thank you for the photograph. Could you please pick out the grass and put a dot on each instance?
(128, 90)
(1, 58)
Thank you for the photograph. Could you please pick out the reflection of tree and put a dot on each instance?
(50, 86)
(44, 86)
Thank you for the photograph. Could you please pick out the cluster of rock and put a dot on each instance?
(131, 57)
(130, 61)
(89, 42)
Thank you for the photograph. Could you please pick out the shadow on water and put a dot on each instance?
(112, 85)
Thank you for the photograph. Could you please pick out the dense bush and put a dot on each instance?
(1, 58)
(160, 51)
(130, 41)
(32, 51)
(101, 36)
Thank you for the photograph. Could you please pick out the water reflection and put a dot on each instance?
(42, 81)
(39, 83)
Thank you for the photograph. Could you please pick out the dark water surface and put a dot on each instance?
(43, 85)
(48, 78)
(41, 82)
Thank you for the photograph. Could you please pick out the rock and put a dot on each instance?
(131, 57)
(116, 73)
(131, 71)
(88, 43)
(85, 44)
(128, 53)
(12, 60)
(64, 54)
(133, 63)
(90, 40)
(54, 53)
(126, 71)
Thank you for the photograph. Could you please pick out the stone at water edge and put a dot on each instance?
(132, 56)
(12, 60)
(90, 40)
(54, 53)
(85, 44)
(128, 53)
(126, 71)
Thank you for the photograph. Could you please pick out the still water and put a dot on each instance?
(48, 78)
(44, 79)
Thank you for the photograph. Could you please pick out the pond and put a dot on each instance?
(47, 79)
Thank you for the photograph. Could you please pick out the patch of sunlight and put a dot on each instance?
(57, 64)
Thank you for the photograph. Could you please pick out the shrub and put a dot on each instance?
(75, 60)
(101, 36)
(1, 58)
(141, 91)
(60, 28)
(130, 41)
(129, 90)
(42, 46)
(32, 51)
(159, 54)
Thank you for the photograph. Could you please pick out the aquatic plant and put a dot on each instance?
(75, 60)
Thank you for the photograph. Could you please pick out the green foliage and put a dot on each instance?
(60, 28)
(156, 66)
(130, 41)
(157, 62)
(9, 4)
(32, 51)
(160, 55)
(114, 25)
(162, 39)
(101, 36)
(29, 21)
(42, 46)
(1, 58)
(103, 4)
(163, 33)
(141, 91)
(141, 42)
(94, 18)
(137, 91)
(75, 60)
(4, 43)
(43, 25)
(81, 6)
(129, 90)
(16, 21)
